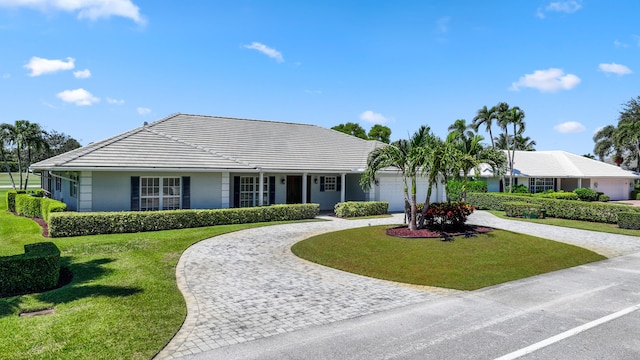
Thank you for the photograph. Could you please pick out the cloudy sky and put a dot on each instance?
(96, 68)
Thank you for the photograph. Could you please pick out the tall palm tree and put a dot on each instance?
(485, 116)
(461, 130)
(511, 116)
(406, 157)
(523, 142)
(6, 137)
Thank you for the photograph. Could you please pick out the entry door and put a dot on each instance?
(294, 189)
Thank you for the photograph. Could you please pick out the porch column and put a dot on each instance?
(579, 182)
(343, 179)
(261, 189)
(224, 190)
(85, 195)
(304, 188)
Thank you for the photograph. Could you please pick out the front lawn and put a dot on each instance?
(123, 302)
(575, 224)
(464, 264)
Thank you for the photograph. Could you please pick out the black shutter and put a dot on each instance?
(236, 191)
(135, 193)
(555, 184)
(272, 190)
(338, 183)
(321, 183)
(186, 192)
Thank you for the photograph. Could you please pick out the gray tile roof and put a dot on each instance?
(562, 164)
(203, 143)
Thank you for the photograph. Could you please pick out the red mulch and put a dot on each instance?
(43, 224)
(468, 230)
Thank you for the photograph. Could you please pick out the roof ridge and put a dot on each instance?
(259, 120)
(199, 147)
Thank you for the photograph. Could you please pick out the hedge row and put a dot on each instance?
(62, 224)
(38, 269)
(629, 220)
(455, 188)
(361, 208)
(565, 209)
(11, 197)
(37, 207)
(521, 208)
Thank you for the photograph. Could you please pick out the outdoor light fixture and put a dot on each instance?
(282, 180)
(315, 180)
(377, 182)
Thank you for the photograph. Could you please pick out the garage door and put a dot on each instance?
(392, 191)
(616, 189)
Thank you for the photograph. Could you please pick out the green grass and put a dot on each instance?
(34, 180)
(464, 264)
(575, 224)
(123, 302)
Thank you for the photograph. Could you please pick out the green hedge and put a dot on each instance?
(13, 167)
(521, 209)
(63, 224)
(38, 269)
(37, 207)
(635, 195)
(11, 197)
(629, 220)
(559, 195)
(565, 209)
(361, 208)
(455, 188)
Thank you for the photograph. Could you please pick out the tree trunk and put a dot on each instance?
(413, 219)
(6, 166)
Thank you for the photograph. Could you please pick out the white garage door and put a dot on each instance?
(616, 189)
(392, 191)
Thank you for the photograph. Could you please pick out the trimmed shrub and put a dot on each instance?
(519, 189)
(32, 206)
(635, 195)
(604, 198)
(11, 199)
(48, 206)
(63, 224)
(523, 209)
(455, 188)
(560, 195)
(38, 269)
(445, 214)
(629, 220)
(586, 194)
(361, 208)
(564, 209)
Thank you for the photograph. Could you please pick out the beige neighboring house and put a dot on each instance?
(561, 170)
(207, 162)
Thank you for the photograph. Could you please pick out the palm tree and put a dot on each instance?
(6, 137)
(511, 116)
(627, 135)
(485, 117)
(461, 130)
(524, 143)
(406, 156)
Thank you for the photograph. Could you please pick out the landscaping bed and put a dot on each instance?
(468, 230)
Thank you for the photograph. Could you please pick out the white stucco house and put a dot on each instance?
(206, 162)
(561, 170)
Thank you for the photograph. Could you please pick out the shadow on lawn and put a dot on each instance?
(72, 286)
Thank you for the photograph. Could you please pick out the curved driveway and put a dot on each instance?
(247, 285)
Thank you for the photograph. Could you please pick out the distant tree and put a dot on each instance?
(351, 129)
(621, 141)
(58, 143)
(6, 139)
(589, 155)
(380, 132)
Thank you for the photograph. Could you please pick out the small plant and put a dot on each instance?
(518, 189)
(446, 214)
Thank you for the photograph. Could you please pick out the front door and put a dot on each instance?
(294, 189)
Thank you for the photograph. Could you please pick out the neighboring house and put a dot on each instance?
(561, 170)
(206, 162)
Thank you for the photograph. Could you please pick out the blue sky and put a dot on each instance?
(96, 68)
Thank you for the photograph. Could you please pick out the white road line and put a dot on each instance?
(554, 339)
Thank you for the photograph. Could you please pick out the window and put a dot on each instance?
(537, 185)
(58, 184)
(330, 183)
(249, 191)
(152, 199)
(73, 185)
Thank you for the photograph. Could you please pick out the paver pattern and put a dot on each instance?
(248, 285)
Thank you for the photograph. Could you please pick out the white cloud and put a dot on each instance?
(270, 52)
(80, 97)
(82, 74)
(550, 80)
(373, 117)
(620, 44)
(143, 110)
(569, 127)
(86, 9)
(615, 68)
(115, 101)
(568, 7)
(40, 66)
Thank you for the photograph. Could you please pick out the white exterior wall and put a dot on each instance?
(391, 189)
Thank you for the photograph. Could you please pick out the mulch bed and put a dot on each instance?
(467, 231)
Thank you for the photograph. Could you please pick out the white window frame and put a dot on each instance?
(73, 185)
(537, 185)
(58, 184)
(249, 191)
(330, 183)
(165, 194)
